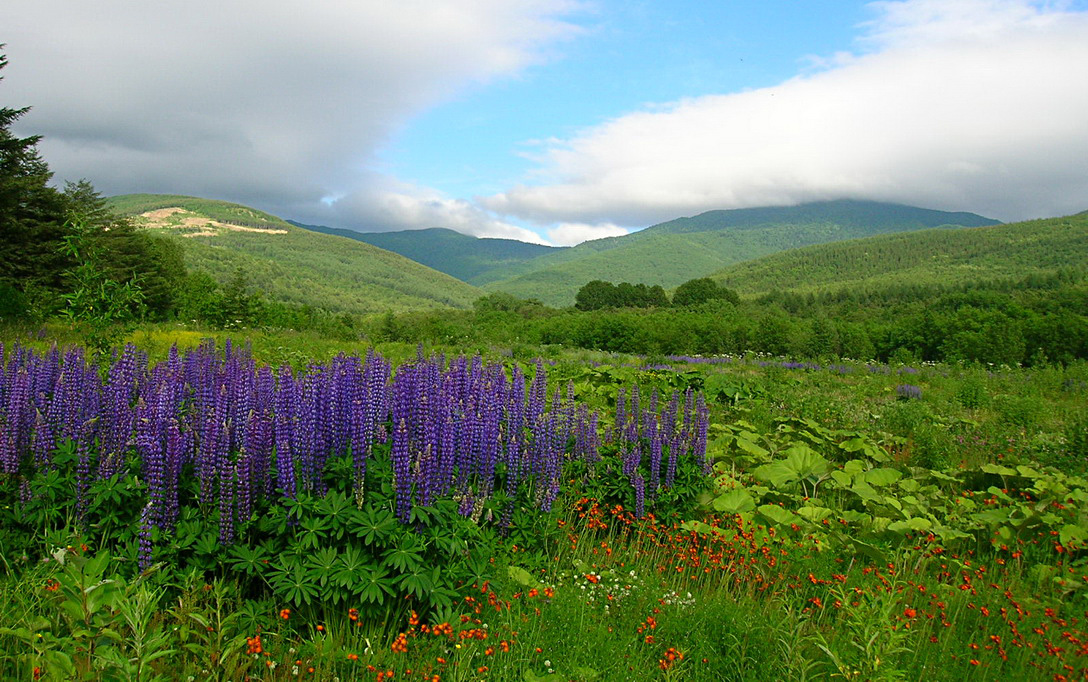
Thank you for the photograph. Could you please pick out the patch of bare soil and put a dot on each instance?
(179, 218)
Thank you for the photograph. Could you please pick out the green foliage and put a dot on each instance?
(102, 308)
(292, 266)
(670, 253)
(598, 294)
(698, 291)
(869, 267)
(469, 259)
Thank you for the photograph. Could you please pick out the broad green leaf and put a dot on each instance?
(1071, 534)
(842, 478)
(866, 493)
(750, 447)
(777, 514)
(998, 469)
(881, 477)
(1029, 472)
(909, 485)
(992, 517)
(814, 514)
(865, 549)
(853, 444)
(941, 476)
(851, 516)
(734, 502)
(854, 467)
(949, 534)
(915, 524)
(778, 474)
(698, 527)
(521, 576)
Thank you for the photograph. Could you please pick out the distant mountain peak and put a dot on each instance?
(470, 259)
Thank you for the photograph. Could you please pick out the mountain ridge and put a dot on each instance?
(290, 264)
(675, 251)
(469, 259)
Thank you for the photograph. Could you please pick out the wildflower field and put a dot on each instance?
(272, 511)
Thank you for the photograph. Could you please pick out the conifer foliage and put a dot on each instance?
(39, 272)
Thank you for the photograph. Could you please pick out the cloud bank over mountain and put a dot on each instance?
(974, 105)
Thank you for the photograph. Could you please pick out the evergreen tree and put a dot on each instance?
(31, 212)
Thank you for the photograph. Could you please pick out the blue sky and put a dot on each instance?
(559, 121)
(630, 55)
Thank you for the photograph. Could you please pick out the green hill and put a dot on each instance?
(928, 257)
(291, 264)
(673, 252)
(469, 259)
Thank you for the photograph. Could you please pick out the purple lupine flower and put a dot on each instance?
(634, 417)
(145, 548)
(83, 480)
(402, 481)
(176, 446)
(286, 398)
(655, 458)
(908, 392)
(17, 427)
(42, 443)
(618, 432)
(702, 423)
(639, 484)
(226, 503)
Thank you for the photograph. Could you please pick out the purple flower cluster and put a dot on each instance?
(461, 429)
(908, 392)
(653, 436)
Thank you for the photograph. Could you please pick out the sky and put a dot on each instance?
(558, 121)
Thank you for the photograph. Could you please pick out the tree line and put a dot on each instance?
(599, 295)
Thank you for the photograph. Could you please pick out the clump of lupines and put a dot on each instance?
(460, 429)
(644, 432)
(908, 392)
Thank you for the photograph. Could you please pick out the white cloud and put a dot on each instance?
(275, 102)
(569, 234)
(386, 204)
(957, 104)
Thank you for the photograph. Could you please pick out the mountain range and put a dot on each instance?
(668, 253)
(469, 259)
(806, 248)
(291, 264)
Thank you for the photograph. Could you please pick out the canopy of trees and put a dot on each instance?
(599, 294)
(38, 222)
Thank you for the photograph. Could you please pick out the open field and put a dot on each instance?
(413, 513)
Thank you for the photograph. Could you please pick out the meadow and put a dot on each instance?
(196, 506)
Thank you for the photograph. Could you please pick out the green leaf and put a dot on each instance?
(1071, 534)
(734, 502)
(777, 514)
(374, 525)
(841, 478)
(881, 477)
(522, 577)
(914, 524)
(998, 469)
(750, 446)
(865, 549)
(814, 514)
